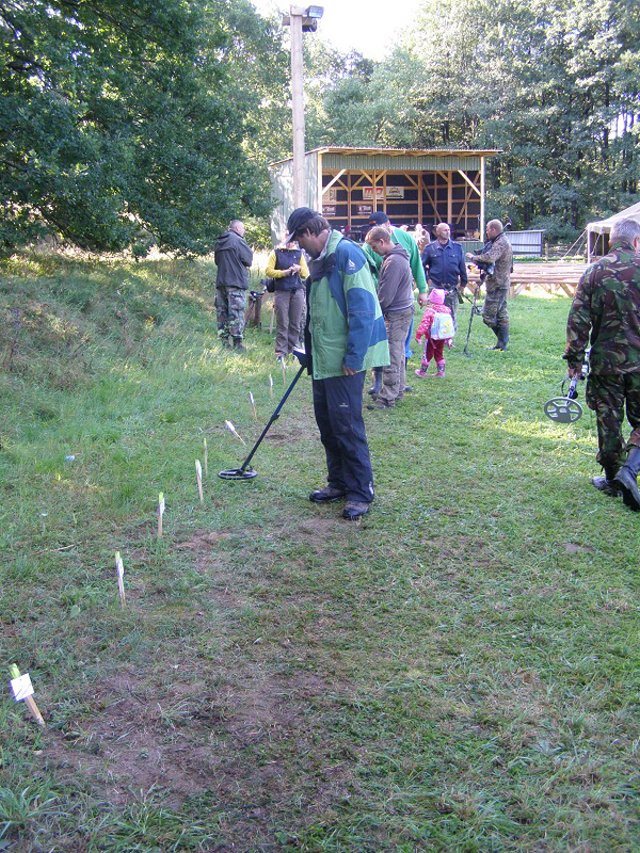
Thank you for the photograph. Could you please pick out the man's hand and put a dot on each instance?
(423, 298)
(349, 371)
(574, 372)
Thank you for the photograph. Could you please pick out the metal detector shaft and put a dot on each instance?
(274, 417)
(473, 311)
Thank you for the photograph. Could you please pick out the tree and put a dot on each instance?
(120, 117)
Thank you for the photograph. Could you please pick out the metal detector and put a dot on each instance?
(565, 410)
(244, 472)
(476, 310)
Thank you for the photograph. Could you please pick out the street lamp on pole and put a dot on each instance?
(300, 21)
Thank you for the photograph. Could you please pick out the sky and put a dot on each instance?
(368, 26)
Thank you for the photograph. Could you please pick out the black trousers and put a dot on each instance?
(337, 403)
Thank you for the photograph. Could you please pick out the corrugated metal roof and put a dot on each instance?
(401, 158)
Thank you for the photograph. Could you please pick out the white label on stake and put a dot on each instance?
(22, 687)
(161, 503)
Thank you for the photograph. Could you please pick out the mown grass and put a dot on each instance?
(457, 672)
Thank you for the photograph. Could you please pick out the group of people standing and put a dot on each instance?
(359, 308)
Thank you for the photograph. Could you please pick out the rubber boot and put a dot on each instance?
(238, 346)
(627, 479)
(376, 388)
(440, 370)
(606, 483)
(502, 333)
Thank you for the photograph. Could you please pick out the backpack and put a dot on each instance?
(442, 327)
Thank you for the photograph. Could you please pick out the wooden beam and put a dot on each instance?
(334, 180)
(469, 181)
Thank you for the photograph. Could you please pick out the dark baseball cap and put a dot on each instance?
(378, 217)
(297, 221)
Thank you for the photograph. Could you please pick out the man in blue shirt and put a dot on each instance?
(443, 262)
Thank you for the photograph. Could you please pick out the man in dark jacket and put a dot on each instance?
(395, 293)
(607, 305)
(443, 262)
(233, 259)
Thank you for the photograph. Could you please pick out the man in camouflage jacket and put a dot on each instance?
(497, 252)
(607, 305)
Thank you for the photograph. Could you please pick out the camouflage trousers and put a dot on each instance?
(494, 311)
(230, 306)
(607, 396)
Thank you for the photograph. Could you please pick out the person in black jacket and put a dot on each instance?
(288, 269)
(233, 259)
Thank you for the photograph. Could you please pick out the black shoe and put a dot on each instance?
(609, 487)
(627, 480)
(379, 405)
(238, 346)
(407, 389)
(326, 495)
(353, 510)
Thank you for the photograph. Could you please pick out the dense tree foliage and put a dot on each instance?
(126, 122)
(555, 84)
(132, 120)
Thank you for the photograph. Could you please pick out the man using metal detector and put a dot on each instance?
(345, 335)
(606, 307)
(496, 258)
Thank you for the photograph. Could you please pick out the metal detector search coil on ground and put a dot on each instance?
(567, 409)
(244, 472)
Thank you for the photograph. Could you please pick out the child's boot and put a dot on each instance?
(440, 370)
(422, 370)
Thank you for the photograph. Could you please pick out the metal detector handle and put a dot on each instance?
(572, 392)
(274, 417)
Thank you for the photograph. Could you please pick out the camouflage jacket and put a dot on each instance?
(497, 251)
(607, 304)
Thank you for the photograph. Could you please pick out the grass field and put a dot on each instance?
(459, 671)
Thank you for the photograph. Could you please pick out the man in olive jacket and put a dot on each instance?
(345, 335)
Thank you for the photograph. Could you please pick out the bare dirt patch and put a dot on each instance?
(239, 733)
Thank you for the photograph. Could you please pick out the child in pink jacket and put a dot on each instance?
(436, 327)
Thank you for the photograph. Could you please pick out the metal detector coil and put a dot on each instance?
(565, 410)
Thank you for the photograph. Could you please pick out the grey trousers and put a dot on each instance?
(393, 376)
(290, 313)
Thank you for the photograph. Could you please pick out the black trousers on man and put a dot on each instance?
(337, 403)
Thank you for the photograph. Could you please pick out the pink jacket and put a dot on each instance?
(424, 329)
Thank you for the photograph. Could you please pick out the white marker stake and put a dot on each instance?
(206, 457)
(199, 480)
(120, 575)
(284, 371)
(160, 513)
(233, 431)
(23, 692)
(253, 406)
(270, 385)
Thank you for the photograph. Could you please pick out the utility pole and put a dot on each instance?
(299, 20)
(297, 105)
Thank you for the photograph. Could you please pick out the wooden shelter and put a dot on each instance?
(410, 185)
